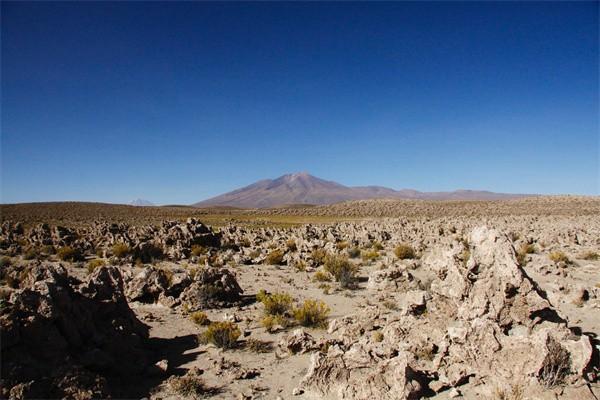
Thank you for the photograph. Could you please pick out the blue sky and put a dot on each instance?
(177, 102)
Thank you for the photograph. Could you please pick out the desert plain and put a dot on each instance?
(370, 299)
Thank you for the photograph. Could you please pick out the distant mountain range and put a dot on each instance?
(141, 202)
(303, 188)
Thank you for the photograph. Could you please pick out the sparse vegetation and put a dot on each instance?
(312, 313)
(200, 318)
(121, 250)
(341, 269)
(515, 392)
(341, 245)
(269, 322)
(68, 253)
(291, 245)
(354, 252)
(370, 255)
(198, 250)
(377, 336)
(93, 264)
(221, 334)
(189, 386)
(522, 253)
(556, 365)
(559, 256)
(275, 257)
(319, 256)
(258, 346)
(5, 261)
(404, 252)
(591, 256)
(276, 303)
(322, 276)
(31, 254)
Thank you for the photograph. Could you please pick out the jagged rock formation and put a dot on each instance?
(172, 239)
(69, 339)
(486, 321)
(206, 288)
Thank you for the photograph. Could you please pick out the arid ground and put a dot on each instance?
(373, 299)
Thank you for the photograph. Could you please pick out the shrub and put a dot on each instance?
(322, 276)
(5, 261)
(258, 346)
(271, 321)
(93, 264)
(30, 254)
(121, 250)
(319, 256)
(354, 252)
(48, 249)
(342, 270)
(299, 266)
(276, 303)
(341, 245)
(404, 252)
(558, 256)
(591, 256)
(68, 253)
(377, 336)
(376, 246)
(291, 245)
(312, 313)
(190, 386)
(221, 334)
(275, 257)
(325, 287)
(200, 318)
(522, 253)
(198, 250)
(370, 255)
(556, 365)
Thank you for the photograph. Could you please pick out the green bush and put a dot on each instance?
(404, 252)
(31, 254)
(5, 261)
(370, 255)
(558, 256)
(341, 245)
(312, 313)
(68, 253)
(93, 264)
(200, 318)
(319, 256)
(291, 245)
(121, 250)
(341, 269)
(354, 252)
(275, 257)
(269, 322)
(276, 303)
(198, 250)
(221, 334)
(322, 276)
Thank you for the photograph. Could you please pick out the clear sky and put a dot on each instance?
(177, 102)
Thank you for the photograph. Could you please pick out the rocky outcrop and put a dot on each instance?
(65, 338)
(485, 321)
(212, 288)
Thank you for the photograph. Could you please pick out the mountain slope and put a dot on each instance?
(141, 203)
(302, 188)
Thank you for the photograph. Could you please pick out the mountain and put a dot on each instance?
(142, 202)
(303, 188)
